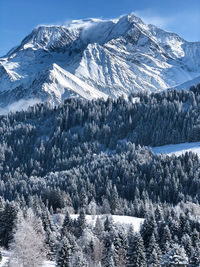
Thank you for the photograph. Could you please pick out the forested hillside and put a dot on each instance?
(93, 157)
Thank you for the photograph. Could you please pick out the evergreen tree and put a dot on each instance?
(154, 254)
(195, 257)
(108, 224)
(165, 239)
(67, 224)
(136, 252)
(99, 227)
(159, 214)
(81, 223)
(83, 200)
(108, 259)
(114, 201)
(154, 259)
(187, 244)
(175, 256)
(120, 246)
(7, 224)
(65, 253)
(148, 228)
(195, 237)
(78, 260)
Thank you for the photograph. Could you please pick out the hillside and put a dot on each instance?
(92, 157)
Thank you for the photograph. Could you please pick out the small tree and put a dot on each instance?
(153, 252)
(97, 251)
(78, 260)
(64, 253)
(99, 227)
(109, 255)
(67, 224)
(81, 223)
(7, 224)
(195, 257)
(175, 257)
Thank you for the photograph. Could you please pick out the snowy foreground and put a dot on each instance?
(178, 149)
(118, 220)
(6, 255)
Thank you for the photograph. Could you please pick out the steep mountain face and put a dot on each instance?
(96, 58)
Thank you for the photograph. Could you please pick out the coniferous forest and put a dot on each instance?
(95, 158)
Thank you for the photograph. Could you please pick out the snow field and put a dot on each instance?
(178, 149)
(117, 220)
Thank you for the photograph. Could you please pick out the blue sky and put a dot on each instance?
(19, 17)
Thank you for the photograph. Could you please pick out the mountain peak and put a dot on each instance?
(133, 18)
(45, 37)
(101, 31)
(90, 30)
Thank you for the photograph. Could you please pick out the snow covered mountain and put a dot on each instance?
(95, 58)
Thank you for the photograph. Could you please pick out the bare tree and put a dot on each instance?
(27, 249)
(97, 252)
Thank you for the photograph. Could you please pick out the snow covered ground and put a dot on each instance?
(5, 258)
(117, 219)
(49, 264)
(178, 149)
(6, 255)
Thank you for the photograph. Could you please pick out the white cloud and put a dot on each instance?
(22, 104)
(150, 16)
(83, 23)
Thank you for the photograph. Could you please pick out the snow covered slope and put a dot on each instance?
(178, 149)
(94, 58)
(189, 83)
(53, 84)
(64, 84)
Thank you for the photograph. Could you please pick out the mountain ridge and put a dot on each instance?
(110, 57)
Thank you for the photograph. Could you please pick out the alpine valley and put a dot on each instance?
(103, 168)
(95, 58)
